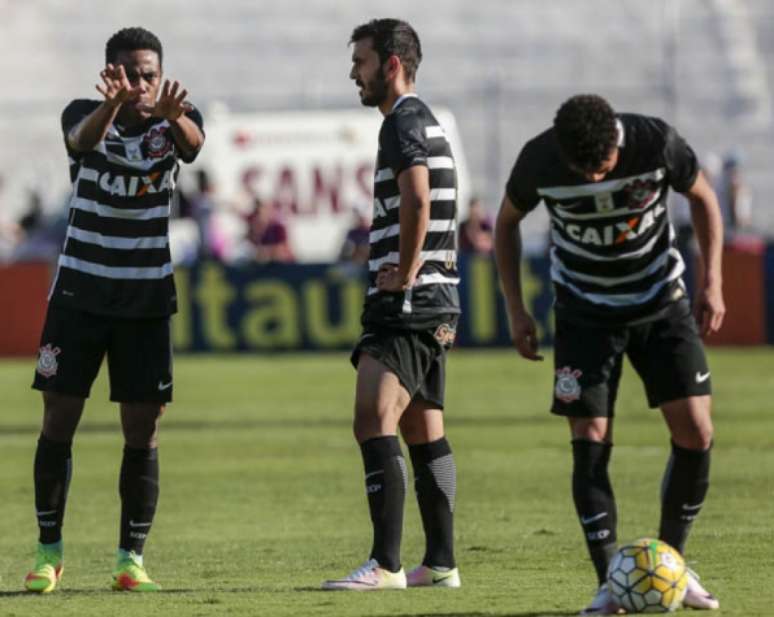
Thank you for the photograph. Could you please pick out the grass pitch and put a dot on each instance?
(262, 492)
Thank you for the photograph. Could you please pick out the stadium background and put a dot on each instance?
(500, 67)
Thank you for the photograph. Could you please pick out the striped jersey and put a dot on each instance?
(613, 255)
(410, 135)
(115, 259)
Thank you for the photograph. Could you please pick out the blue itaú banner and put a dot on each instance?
(294, 307)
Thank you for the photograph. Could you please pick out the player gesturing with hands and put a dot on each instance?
(114, 293)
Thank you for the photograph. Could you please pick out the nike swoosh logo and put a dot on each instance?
(702, 377)
(164, 386)
(438, 579)
(687, 506)
(133, 524)
(373, 473)
(591, 519)
(47, 513)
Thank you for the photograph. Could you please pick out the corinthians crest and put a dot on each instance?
(47, 364)
(567, 388)
(156, 143)
(640, 193)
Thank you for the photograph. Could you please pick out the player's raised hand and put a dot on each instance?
(710, 309)
(524, 335)
(171, 103)
(115, 86)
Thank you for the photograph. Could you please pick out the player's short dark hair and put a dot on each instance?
(392, 37)
(132, 39)
(587, 130)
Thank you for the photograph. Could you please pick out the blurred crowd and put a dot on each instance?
(203, 226)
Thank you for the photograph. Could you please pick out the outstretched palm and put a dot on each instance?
(171, 104)
(115, 86)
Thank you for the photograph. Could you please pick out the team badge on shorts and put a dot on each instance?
(445, 335)
(567, 387)
(47, 364)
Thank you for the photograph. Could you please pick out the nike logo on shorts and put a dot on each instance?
(702, 377)
(164, 386)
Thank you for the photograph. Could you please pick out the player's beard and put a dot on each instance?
(375, 91)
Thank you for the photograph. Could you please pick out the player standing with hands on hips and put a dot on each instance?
(410, 316)
(113, 293)
(604, 178)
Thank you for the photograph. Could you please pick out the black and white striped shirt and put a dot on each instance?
(115, 259)
(410, 135)
(613, 257)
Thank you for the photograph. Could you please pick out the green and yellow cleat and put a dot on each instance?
(46, 573)
(130, 575)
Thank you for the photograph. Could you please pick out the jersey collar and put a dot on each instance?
(621, 133)
(403, 97)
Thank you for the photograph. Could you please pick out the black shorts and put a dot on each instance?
(667, 353)
(417, 357)
(139, 353)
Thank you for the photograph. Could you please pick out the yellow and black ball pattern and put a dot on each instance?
(647, 576)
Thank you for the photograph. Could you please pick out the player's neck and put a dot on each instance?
(129, 120)
(396, 91)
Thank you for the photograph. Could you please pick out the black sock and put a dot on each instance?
(139, 489)
(435, 482)
(685, 485)
(594, 501)
(53, 465)
(385, 479)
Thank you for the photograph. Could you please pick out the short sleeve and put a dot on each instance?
(72, 115)
(681, 162)
(521, 187)
(403, 142)
(194, 115)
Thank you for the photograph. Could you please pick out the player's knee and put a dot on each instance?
(590, 429)
(61, 414)
(698, 437)
(373, 421)
(140, 424)
(142, 437)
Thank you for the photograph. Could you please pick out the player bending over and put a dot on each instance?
(604, 178)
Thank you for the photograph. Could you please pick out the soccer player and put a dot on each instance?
(113, 292)
(410, 316)
(604, 178)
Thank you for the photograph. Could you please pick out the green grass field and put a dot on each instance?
(262, 492)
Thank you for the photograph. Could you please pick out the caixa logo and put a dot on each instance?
(135, 186)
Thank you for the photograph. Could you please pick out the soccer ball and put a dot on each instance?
(647, 576)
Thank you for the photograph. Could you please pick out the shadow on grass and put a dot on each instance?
(264, 423)
(455, 614)
(479, 614)
(90, 592)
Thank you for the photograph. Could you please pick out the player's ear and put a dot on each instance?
(393, 66)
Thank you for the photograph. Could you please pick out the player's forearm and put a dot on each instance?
(708, 225)
(92, 129)
(414, 220)
(508, 258)
(188, 138)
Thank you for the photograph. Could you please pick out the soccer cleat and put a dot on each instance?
(46, 573)
(696, 596)
(368, 577)
(130, 575)
(423, 576)
(602, 603)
